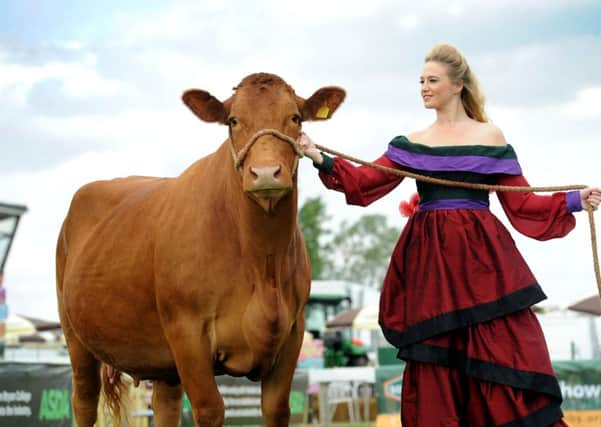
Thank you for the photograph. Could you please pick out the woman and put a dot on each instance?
(456, 297)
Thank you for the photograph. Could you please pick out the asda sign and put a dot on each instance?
(55, 405)
(35, 395)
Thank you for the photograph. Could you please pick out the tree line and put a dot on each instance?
(356, 251)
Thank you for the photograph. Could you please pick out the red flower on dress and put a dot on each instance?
(409, 208)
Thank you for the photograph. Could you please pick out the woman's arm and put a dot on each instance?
(544, 217)
(362, 185)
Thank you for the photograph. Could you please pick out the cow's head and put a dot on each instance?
(264, 101)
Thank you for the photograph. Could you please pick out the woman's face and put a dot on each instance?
(437, 90)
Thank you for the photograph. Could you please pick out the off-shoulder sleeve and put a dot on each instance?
(362, 185)
(541, 217)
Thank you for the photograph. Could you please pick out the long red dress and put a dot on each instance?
(455, 300)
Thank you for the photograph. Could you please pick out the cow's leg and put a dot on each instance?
(85, 370)
(86, 381)
(192, 353)
(275, 390)
(166, 404)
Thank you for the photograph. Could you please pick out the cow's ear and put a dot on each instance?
(323, 103)
(205, 106)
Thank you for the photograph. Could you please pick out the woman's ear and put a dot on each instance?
(458, 87)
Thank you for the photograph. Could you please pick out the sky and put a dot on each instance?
(92, 90)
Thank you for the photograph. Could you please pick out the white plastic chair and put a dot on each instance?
(363, 391)
(341, 392)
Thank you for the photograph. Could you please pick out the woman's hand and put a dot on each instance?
(309, 148)
(590, 197)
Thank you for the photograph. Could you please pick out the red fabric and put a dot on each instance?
(541, 217)
(362, 185)
(446, 260)
(435, 395)
(489, 341)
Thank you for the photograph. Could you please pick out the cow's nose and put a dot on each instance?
(265, 177)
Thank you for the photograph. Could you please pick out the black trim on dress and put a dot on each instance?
(483, 370)
(543, 417)
(515, 301)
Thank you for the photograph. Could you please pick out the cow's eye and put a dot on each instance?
(232, 121)
(296, 119)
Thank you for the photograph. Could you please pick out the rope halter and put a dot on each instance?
(241, 155)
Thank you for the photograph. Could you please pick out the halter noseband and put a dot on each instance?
(241, 155)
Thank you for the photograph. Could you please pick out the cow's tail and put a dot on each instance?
(115, 393)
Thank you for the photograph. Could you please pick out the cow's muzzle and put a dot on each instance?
(266, 181)
(267, 184)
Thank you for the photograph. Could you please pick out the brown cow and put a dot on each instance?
(180, 279)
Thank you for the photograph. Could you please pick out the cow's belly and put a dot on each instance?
(118, 326)
(128, 358)
(125, 345)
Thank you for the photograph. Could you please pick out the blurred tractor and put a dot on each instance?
(340, 349)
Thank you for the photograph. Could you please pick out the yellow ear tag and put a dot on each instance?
(323, 112)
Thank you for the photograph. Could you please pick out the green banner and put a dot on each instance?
(389, 380)
(35, 395)
(40, 395)
(580, 383)
(242, 399)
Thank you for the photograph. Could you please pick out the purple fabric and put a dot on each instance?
(429, 162)
(573, 201)
(453, 204)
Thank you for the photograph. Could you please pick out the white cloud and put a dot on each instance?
(409, 22)
(456, 8)
(539, 73)
(82, 81)
(72, 45)
(333, 9)
(511, 5)
(587, 104)
(76, 80)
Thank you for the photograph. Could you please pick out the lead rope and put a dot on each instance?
(476, 186)
(239, 159)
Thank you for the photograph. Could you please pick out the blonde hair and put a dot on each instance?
(458, 70)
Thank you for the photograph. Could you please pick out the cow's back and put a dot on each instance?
(96, 201)
(105, 264)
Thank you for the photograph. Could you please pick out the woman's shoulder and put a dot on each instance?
(490, 134)
(416, 135)
(486, 134)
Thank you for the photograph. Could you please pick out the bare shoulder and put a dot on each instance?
(491, 134)
(416, 136)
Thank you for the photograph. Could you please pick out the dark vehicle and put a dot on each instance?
(326, 300)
